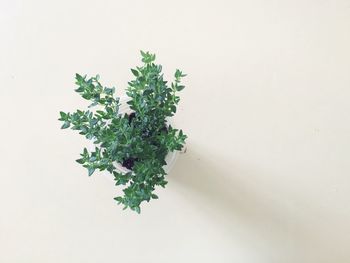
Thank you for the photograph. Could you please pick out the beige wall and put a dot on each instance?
(267, 174)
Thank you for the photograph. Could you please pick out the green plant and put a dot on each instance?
(139, 141)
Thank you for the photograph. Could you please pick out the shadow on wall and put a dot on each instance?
(236, 204)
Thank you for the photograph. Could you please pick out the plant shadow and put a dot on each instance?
(238, 206)
(219, 192)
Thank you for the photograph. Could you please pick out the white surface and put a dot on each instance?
(267, 175)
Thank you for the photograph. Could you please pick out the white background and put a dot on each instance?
(266, 177)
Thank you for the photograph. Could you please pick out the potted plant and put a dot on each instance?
(132, 145)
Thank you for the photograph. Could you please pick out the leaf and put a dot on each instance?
(147, 57)
(135, 72)
(119, 199)
(63, 115)
(81, 161)
(137, 209)
(65, 125)
(80, 89)
(93, 104)
(109, 91)
(91, 170)
(147, 92)
(78, 77)
(180, 87)
(109, 110)
(177, 73)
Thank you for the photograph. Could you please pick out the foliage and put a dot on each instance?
(141, 140)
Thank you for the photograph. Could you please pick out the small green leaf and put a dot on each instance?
(81, 161)
(137, 209)
(135, 72)
(65, 125)
(91, 170)
(177, 73)
(147, 57)
(109, 91)
(180, 87)
(78, 77)
(80, 89)
(119, 199)
(63, 115)
(147, 92)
